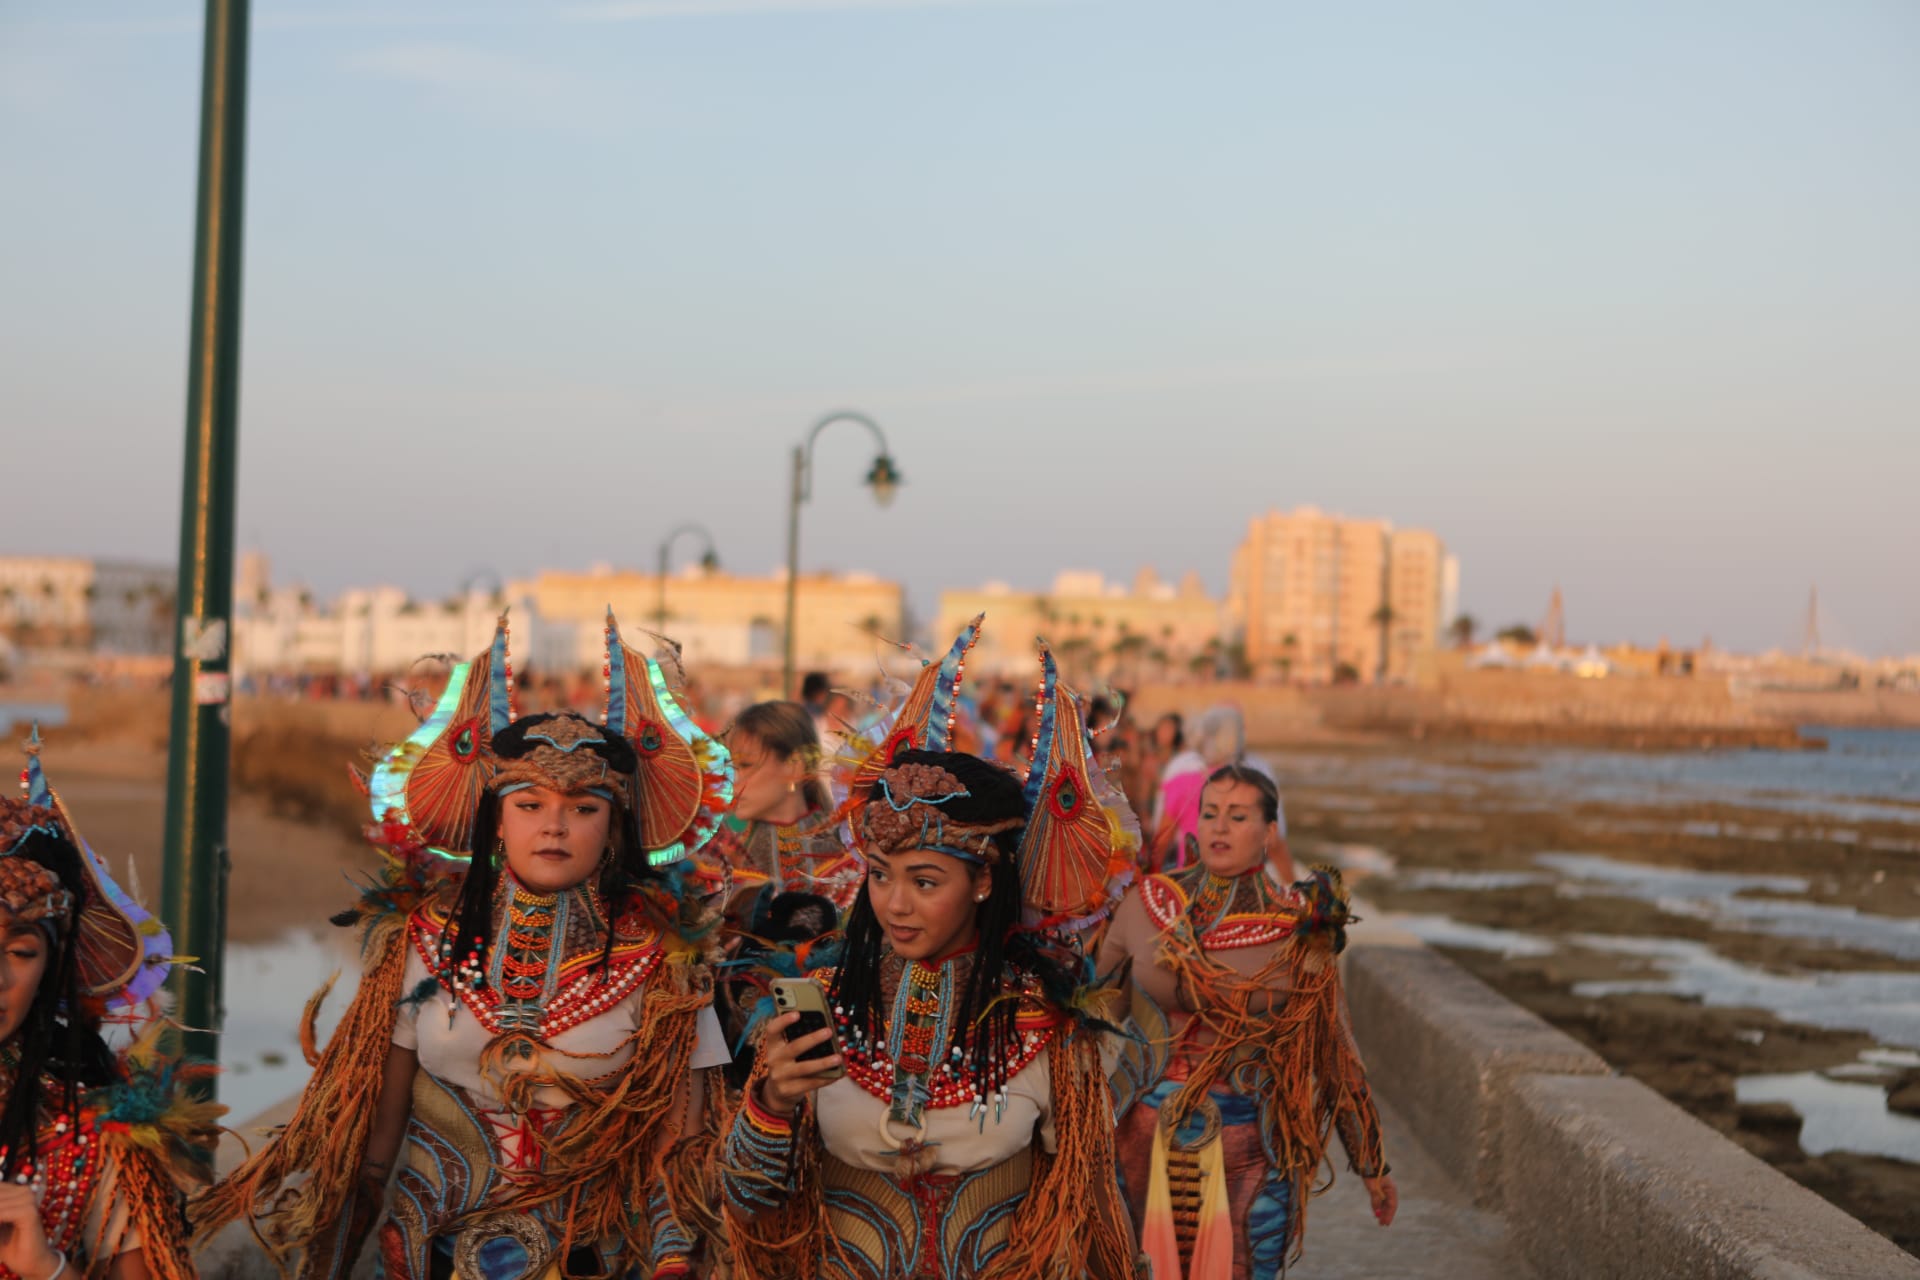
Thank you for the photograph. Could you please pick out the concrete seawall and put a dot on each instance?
(1595, 1174)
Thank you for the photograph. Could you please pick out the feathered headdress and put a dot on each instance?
(429, 786)
(1077, 855)
(122, 951)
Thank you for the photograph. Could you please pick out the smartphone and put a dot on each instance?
(806, 997)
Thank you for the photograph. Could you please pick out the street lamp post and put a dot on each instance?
(709, 560)
(882, 477)
(193, 883)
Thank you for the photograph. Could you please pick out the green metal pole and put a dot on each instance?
(799, 495)
(194, 884)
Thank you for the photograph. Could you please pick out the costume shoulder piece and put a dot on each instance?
(139, 1143)
(1224, 913)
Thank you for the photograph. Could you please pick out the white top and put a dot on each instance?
(449, 1040)
(856, 1131)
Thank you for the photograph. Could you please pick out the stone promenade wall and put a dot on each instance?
(1595, 1174)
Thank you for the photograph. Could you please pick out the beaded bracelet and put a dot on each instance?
(768, 1122)
(758, 1158)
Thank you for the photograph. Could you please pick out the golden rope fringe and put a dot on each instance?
(603, 1162)
(1070, 1224)
(1300, 1059)
(140, 1180)
(691, 1174)
(327, 1136)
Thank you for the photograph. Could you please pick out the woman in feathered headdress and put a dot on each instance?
(527, 1051)
(1242, 1065)
(94, 1147)
(971, 1135)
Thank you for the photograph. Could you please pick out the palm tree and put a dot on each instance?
(1129, 645)
(1461, 630)
(1519, 633)
(1074, 650)
(1383, 618)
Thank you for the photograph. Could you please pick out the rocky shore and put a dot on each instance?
(1711, 938)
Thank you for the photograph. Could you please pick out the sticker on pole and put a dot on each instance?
(203, 640)
(211, 688)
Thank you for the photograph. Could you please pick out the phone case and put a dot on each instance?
(808, 998)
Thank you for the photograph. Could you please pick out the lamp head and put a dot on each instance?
(884, 479)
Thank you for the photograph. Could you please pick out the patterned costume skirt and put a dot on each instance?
(452, 1161)
(1210, 1204)
(933, 1227)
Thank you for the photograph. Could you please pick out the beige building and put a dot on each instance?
(1421, 586)
(1314, 592)
(78, 605)
(1152, 630)
(725, 620)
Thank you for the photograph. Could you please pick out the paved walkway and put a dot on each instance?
(1437, 1235)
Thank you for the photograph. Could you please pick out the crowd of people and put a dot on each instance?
(960, 987)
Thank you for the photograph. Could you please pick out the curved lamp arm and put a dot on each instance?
(883, 477)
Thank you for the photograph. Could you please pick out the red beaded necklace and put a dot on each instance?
(541, 987)
(63, 1174)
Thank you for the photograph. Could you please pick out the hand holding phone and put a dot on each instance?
(806, 1055)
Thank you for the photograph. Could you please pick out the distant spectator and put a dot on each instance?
(1157, 749)
(815, 690)
(1219, 739)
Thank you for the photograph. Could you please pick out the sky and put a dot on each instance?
(1622, 297)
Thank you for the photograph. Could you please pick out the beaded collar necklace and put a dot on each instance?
(919, 1059)
(1223, 912)
(542, 974)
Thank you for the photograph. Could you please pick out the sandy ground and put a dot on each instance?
(287, 872)
(1689, 1052)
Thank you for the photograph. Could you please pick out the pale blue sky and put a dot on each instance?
(1623, 296)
